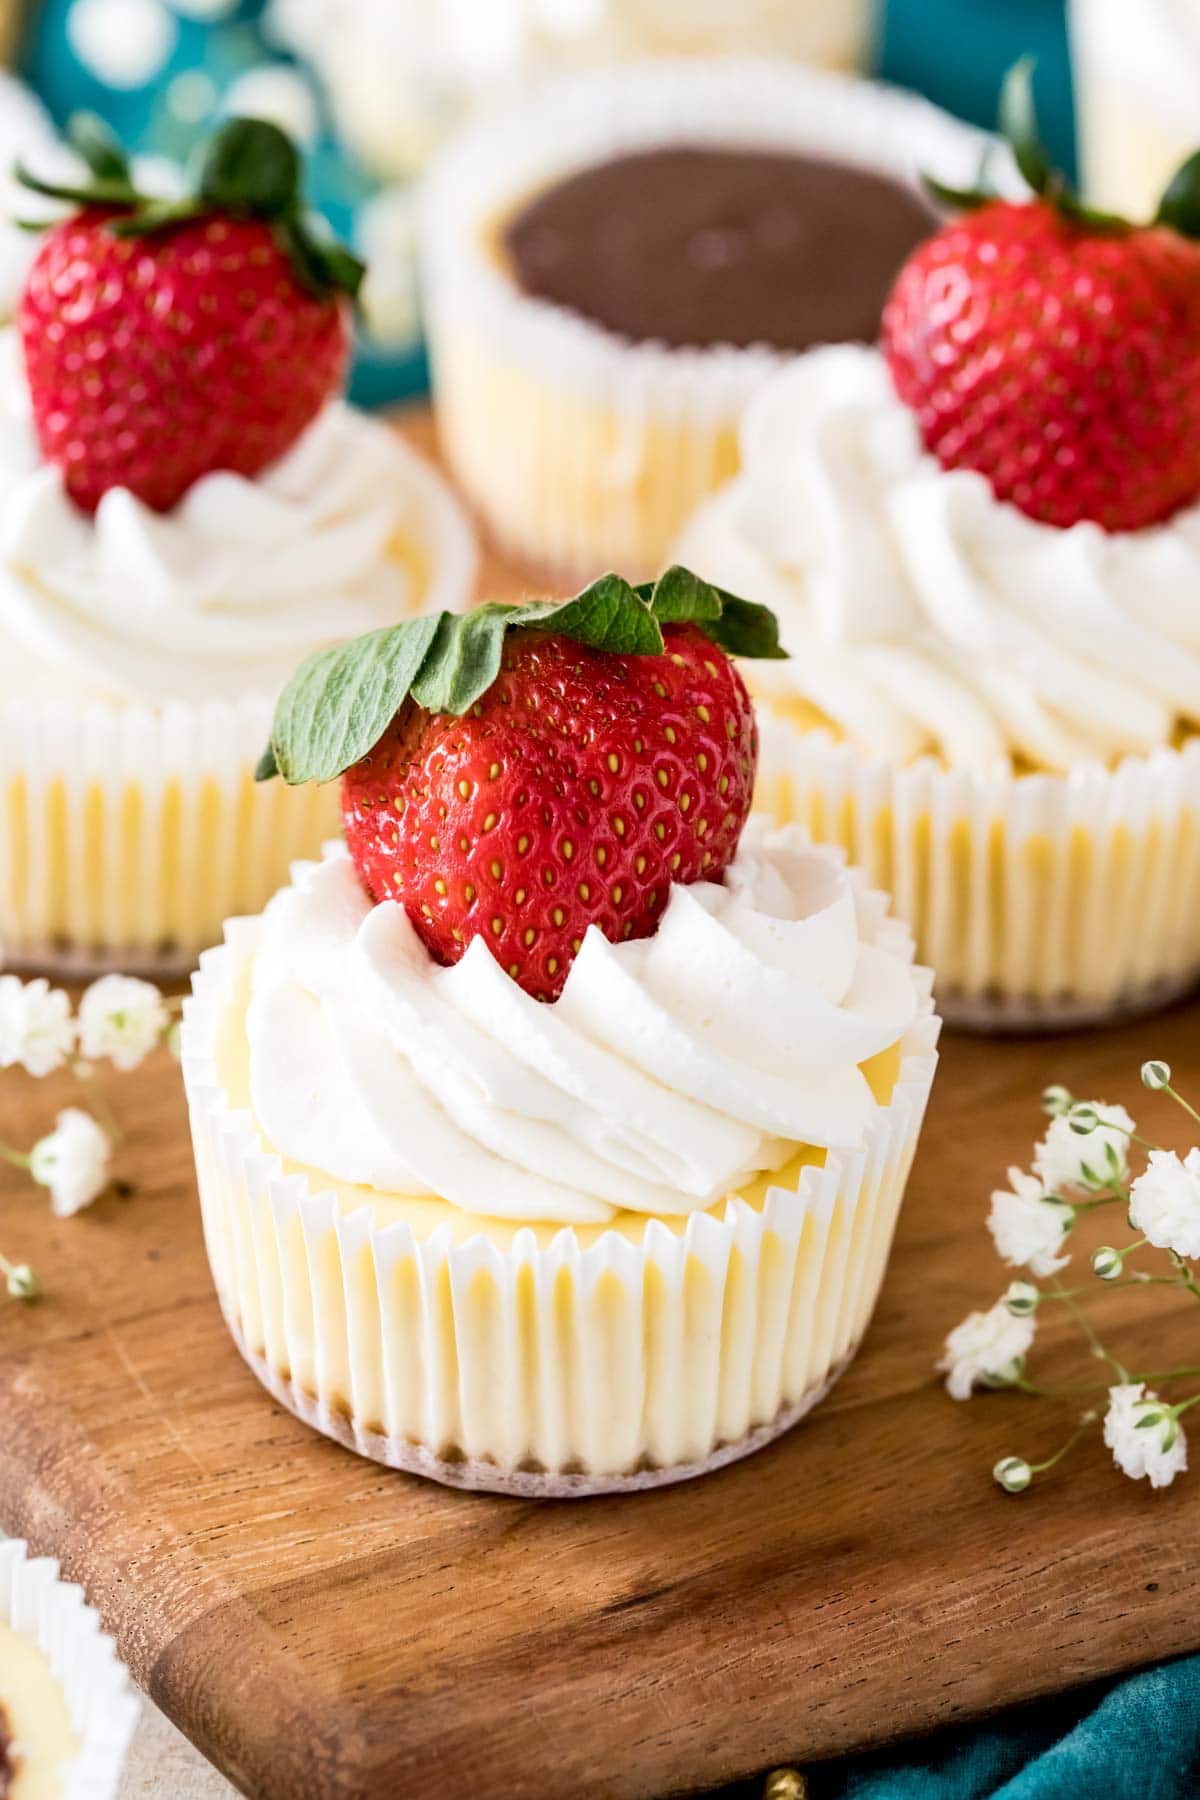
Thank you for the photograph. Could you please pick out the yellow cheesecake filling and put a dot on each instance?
(33, 1712)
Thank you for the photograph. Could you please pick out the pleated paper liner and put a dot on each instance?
(1041, 901)
(128, 834)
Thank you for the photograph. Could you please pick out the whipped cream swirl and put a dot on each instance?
(224, 595)
(922, 614)
(668, 1071)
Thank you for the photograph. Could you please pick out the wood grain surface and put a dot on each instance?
(324, 1629)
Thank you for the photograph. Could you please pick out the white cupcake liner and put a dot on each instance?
(100, 1698)
(580, 449)
(1041, 901)
(129, 833)
(551, 1369)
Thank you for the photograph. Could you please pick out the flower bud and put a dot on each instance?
(1156, 1074)
(1107, 1262)
(1021, 1298)
(1056, 1100)
(1013, 1474)
(21, 1282)
(1084, 1120)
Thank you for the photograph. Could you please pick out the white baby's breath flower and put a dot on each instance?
(122, 1018)
(1065, 1154)
(1146, 1442)
(1028, 1227)
(988, 1348)
(36, 1027)
(1164, 1202)
(72, 1161)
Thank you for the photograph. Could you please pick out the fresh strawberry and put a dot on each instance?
(573, 793)
(164, 341)
(1055, 350)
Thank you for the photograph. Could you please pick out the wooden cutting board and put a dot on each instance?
(326, 1630)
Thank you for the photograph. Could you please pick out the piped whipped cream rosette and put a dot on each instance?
(994, 682)
(542, 1228)
(185, 504)
(67, 1706)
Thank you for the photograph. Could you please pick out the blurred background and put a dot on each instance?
(370, 87)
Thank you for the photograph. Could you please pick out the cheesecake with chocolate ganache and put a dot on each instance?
(614, 266)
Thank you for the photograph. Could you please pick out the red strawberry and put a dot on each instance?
(163, 342)
(1054, 350)
(572, 793)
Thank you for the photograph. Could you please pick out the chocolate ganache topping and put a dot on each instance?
(693, 245)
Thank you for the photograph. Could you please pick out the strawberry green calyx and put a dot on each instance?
(340, 701)
(1179, 208)
(248, 169)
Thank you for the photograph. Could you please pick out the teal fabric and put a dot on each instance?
(1133, 1739)
(1136, 1739)
(956, 52)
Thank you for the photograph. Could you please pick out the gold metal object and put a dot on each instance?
(785, 1784)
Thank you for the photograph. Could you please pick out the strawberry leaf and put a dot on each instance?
(463, 660)
(746, 628)
(91, 139)
(1180, 205)
(251, 166)
(1018, 122)
(740, 627)
(608, 615)
(341, 701)
(678, 598)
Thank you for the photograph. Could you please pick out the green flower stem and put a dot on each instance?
(1081, 1430)
(1107, 1199)
(1179, 1100)
(1185, 1279)
(1094, 1344)
(1060, 1393)
(17, 1158)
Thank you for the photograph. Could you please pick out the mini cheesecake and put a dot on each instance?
(37, 1742)
(614, 267)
